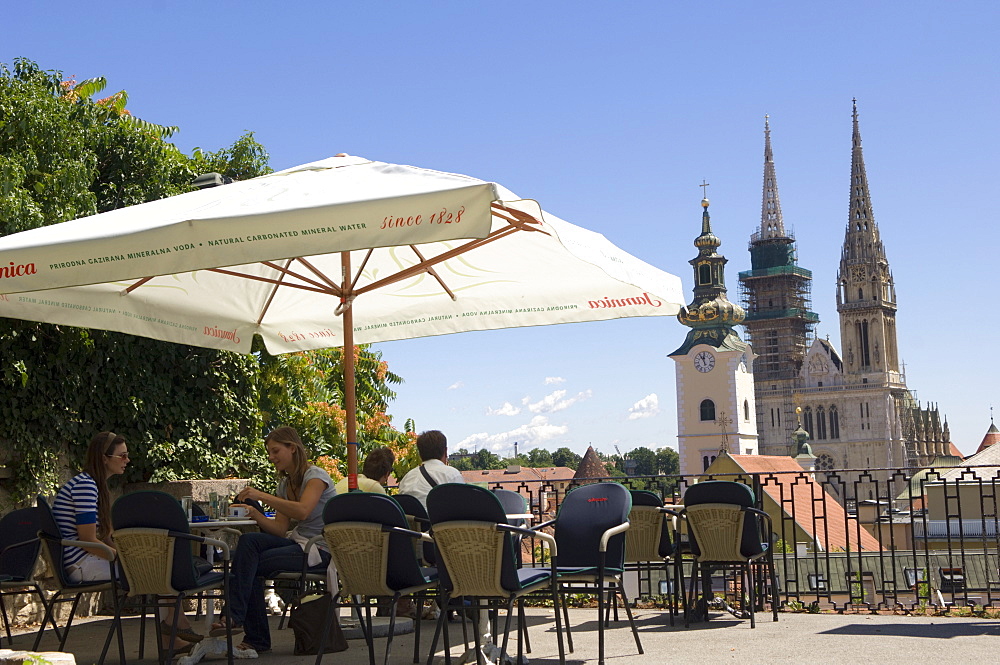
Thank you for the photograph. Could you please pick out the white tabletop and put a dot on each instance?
(221, 524)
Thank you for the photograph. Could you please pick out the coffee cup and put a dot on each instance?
(239, 512)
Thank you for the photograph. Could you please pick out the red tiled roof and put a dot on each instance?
(525, 474)
(812, 508)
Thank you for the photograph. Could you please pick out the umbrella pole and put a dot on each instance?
(350, 396)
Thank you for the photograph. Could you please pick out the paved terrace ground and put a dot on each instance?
(796, 638)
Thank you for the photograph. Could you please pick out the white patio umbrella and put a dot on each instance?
(275, 256)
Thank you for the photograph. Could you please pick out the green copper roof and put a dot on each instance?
(723, 338)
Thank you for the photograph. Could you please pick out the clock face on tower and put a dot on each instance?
(704, 361)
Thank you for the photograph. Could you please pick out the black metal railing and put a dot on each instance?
(860, 538)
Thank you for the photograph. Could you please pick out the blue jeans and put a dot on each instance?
(258, 556)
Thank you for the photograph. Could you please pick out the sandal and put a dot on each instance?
(186, 634)
(244, 650)
(219, 629)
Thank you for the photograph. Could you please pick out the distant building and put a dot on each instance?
(855, 405)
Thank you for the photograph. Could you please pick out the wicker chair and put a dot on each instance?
(416, 517)
(155, 553)
(66, 591)
(477, 548)
(725, 532)
(647, 542)
(368, 537)
(19, 550)
(590, 532)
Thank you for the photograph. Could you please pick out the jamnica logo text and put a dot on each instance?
(17, 270)
(644, 299)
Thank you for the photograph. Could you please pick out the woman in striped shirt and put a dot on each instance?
(82, 509)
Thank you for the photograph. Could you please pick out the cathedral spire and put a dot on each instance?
(771, 223)
(866, 294)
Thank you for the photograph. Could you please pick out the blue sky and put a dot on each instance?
(609, 114)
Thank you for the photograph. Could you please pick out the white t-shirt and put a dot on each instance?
(414, 483)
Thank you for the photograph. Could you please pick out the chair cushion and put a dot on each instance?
(529, 576)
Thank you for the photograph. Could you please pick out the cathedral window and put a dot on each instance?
(834, 423)
(772, 417)
(704, 274)
(707, 409)
(807, 420)
(824, 462)
(746, 410)
(820, 423)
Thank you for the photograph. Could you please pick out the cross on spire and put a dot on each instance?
(704, 189)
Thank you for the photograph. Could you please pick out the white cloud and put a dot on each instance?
(647, 407)
(534, 433)
(555, 401)
(550, 380)
(457, 385)
(507, 409)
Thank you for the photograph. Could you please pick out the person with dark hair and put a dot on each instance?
(82, 510)
(433, 470)
(375, 472)
(303, 490)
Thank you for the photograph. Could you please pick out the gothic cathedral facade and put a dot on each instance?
(855, 404)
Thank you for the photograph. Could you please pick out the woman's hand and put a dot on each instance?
(250, 493)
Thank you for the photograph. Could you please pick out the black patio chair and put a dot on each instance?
(590, 533)
(19, 550)
(156, 554)
(66, 591)
(479, 554)
(728, 532)
(368, 536)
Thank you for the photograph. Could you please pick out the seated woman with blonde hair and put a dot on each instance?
(302, 493)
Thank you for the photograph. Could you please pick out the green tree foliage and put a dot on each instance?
(566, 457)
(484, 459)
(539, 457)
(645, 461)
(243, 160)
(668, 462)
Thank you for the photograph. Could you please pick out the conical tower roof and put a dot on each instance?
(591, 466)
(992, 437)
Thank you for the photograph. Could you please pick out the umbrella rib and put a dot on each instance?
(433, 273)
(270, 296)
(319, 273)
(417, 268)
(133, 287)
(269, 280)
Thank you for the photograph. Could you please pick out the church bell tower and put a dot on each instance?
(715, 397)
